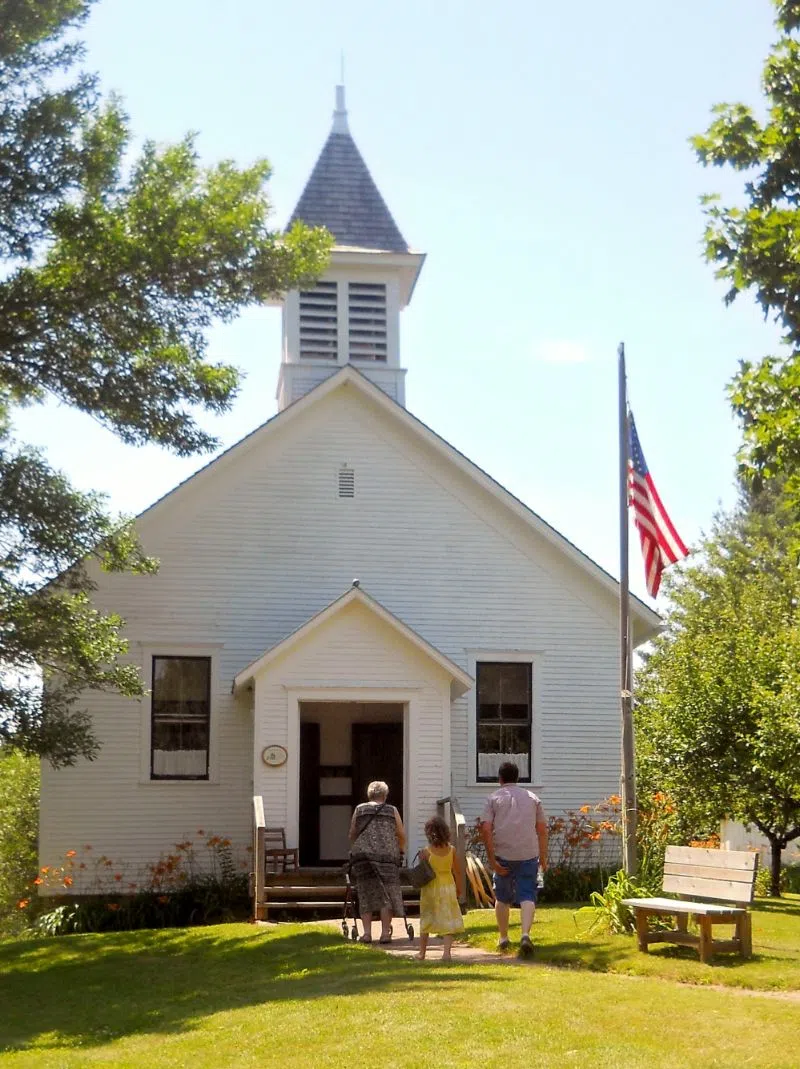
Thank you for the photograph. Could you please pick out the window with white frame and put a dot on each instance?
(504, 718)
(180, 717)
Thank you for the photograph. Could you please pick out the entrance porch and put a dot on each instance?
(351, 696)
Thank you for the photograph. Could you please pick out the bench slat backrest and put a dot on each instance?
(727, 875)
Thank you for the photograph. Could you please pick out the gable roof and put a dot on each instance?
(649, 621)
(460, 681)
(342, 196)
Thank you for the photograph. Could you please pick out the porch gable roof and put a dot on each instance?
(460, 681)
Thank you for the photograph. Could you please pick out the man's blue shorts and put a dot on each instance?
(520, 883)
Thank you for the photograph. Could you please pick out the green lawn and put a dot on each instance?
(236, 996)
(562, 938)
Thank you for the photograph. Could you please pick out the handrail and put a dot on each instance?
(259, 858)
(458, 834)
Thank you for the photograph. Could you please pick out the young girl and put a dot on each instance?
(439, 912)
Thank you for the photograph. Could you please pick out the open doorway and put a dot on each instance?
(343, 747)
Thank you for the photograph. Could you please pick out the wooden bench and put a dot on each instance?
(722, 876)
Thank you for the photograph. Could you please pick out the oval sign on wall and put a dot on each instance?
(274, 756)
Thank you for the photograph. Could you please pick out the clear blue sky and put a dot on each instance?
(538, 153)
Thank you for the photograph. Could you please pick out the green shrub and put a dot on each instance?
(789, 881)
(571, 884)
(608, 908)
(19, 825)
(792, 874)
(198, 883)
(205, 901)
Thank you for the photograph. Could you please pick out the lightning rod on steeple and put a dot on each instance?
(340, 114)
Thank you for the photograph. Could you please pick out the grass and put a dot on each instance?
(562, 938)
(238, 996)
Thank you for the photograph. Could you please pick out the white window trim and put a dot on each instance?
(147, 653)
(535, 658)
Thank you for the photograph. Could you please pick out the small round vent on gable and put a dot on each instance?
(347, 482)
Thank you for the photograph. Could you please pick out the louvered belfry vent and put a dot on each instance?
(319, 322)
(347, 482)
(366, 320)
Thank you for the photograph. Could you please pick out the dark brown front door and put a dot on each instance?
(378, 754)
(309, 793)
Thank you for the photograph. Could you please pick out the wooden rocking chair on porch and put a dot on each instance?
(278, 858)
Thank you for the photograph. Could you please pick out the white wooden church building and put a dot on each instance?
(342, 597)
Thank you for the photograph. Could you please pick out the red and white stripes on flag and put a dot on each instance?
(661, 543)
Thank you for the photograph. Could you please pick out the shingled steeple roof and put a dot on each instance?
(342, 196)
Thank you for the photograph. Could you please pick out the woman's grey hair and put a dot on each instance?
(377, 791)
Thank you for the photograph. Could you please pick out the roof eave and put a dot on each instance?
(460, 681)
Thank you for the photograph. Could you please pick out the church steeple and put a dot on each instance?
(352, 314)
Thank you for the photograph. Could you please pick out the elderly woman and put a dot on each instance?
(377, 842)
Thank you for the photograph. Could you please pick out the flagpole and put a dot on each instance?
(625, 650)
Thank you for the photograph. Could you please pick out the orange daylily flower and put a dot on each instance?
(68, 881)
(70, 853)
(23, 902)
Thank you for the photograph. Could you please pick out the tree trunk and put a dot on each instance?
(775, 866)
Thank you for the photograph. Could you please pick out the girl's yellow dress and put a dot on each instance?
(439, 913)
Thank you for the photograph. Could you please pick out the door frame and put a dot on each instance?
(407, 696)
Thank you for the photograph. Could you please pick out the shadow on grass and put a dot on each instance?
(595, 950)
(789, 907)
(86, 990)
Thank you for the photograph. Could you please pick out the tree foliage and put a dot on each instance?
(718, 715)
(19, 827)
(110, 274)
(756, 246)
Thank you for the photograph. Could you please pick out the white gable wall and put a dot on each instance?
(260, 542)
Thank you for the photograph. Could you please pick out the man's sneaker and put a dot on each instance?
(502, 945)
(525, 947)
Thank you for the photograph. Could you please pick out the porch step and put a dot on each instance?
(320, 891)
(307, 891)
(274, 903)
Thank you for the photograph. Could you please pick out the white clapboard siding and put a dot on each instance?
(252, 549)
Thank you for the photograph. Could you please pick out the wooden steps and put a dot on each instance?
(319, 890)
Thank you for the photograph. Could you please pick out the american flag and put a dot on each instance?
(661, 543)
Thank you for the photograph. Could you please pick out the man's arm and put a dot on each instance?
(544, 843)
(488, 842)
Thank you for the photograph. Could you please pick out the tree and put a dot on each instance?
(19, 828)
(110, 276)
(757, 248)
(719, 699)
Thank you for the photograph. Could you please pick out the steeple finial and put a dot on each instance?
(340, 114)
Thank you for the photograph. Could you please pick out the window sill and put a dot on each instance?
(147, 782)
(493, 785)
